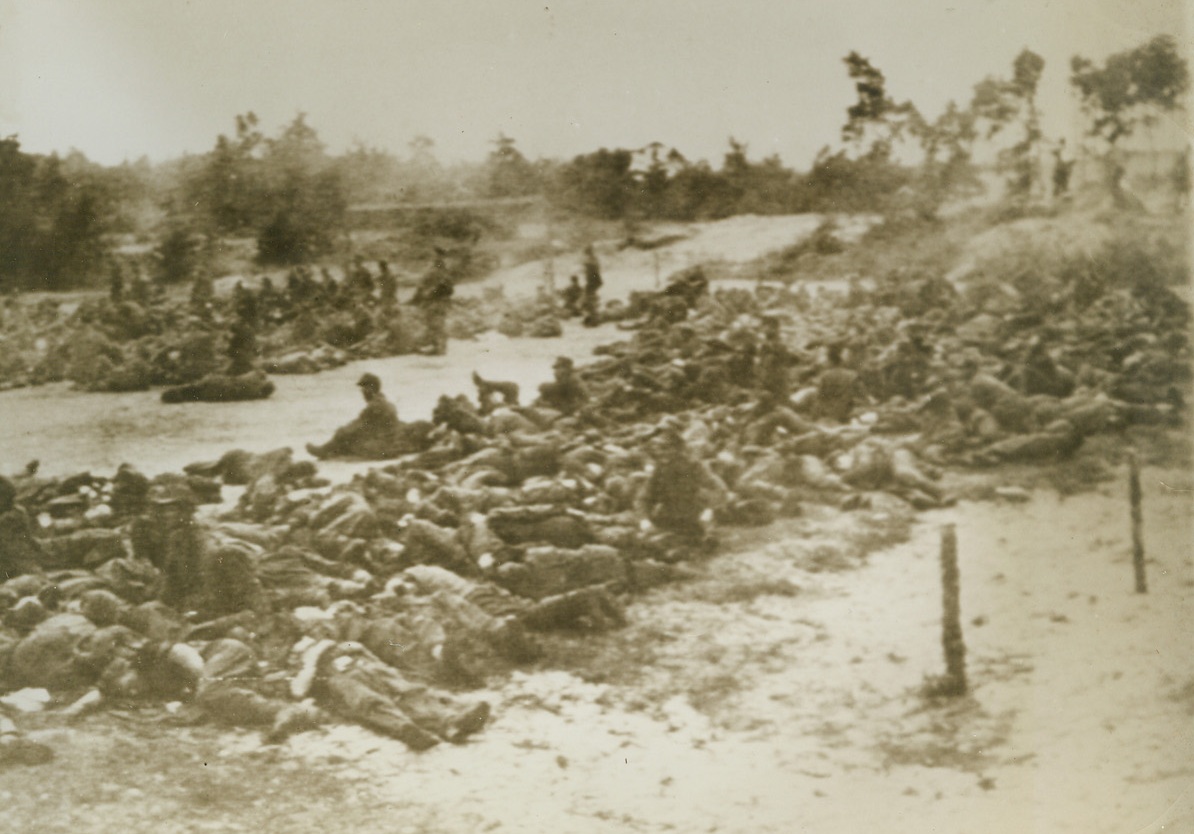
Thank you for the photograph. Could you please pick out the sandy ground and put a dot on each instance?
(70, 431)
(778, 690)
(784, 712)
(730, 242)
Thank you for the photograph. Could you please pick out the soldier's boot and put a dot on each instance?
(469, 722)
(396, 725)
(444, 714)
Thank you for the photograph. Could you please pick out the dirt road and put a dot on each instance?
(70, 431)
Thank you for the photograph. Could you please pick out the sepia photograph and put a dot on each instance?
(607, 416)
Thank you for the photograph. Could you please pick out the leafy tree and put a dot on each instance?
(1132, 88)
(599, 184)
(369, 175)
(179, 256)
(875, 113)
(1001, 106)
(838, 182)
(228, 188)
(947, 168)
(51, 229)
(18, 218)
(651, 186)
(509, 174)
(305, 196)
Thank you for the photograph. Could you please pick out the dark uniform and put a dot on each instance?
(837, 388)
(166, 536)
(772, 364)
(566, 393)
(676, 493)
(593, 284)
(434, 296)
(387, 284)
(358, 279)
(572, 295)
(20, 552)
(373, 434)
(242, 347)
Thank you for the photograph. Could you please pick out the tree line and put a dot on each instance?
(291, 196)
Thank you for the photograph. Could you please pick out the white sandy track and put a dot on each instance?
(1080, 718)
(70, 431)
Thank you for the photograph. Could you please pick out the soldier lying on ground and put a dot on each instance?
(253, 385)
(352, 682)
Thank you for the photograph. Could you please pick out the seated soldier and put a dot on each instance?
(679, 490)
(567, 394)
(20, 552)
(837, 388)
(571, 297)
(373, 434)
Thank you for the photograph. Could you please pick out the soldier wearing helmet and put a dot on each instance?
(372, 434)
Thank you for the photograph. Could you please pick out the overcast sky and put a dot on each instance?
(121, 78)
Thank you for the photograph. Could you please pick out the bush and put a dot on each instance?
(180, 255)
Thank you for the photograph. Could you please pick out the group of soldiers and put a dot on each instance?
(500, 519)
(362, 294)
(585, 301)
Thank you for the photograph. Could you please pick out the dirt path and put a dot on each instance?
(733, 242)
(70, 431)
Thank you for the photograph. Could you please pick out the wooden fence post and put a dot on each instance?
(951, 615)
(1134, 496)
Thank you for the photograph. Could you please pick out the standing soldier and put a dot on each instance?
(434, 296)
(388, 284)
(203, 292)
(1063, 166)
(837, 387)
(242, 346)
(116, 282)
(20, 551)
(593, 284)
(358, 279)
